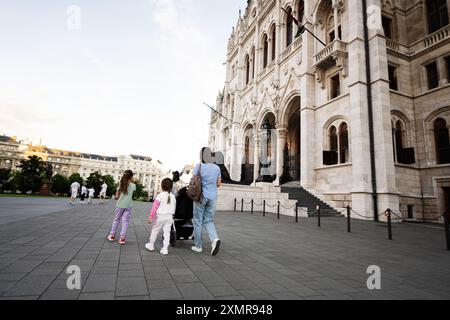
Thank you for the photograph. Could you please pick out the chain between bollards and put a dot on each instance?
(389, 221)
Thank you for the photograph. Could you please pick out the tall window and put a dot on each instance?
(398, 134)
(335, 87)
(343, 141)
(247, 69)
(442, 141)
(432, 75)
(437, 14)
(334, 144)
(274, 42)
(265, 51)
(253, 63)
(301, 10)
(387, 27)
(393, 83)
(289, 28)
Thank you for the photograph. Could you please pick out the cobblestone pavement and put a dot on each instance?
(260, 258)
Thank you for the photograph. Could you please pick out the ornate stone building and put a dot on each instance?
(361, 115)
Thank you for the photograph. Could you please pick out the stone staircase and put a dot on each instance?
(308, 200)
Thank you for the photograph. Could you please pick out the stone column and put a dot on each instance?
(442, 67)
(281, 142)
(335, 17)
(256, 157)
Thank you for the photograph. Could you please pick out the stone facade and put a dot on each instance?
(315, 99)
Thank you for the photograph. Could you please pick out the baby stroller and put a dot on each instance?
(182, 228)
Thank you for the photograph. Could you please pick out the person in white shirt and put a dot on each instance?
(103, 191)
(91, 195)
(84, 193)
(74, 187)
(164, 209)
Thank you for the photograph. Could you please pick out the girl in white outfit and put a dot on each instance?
(164, 209)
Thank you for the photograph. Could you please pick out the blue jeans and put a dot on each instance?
(204, 216)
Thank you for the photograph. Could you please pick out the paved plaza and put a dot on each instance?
(260, 258)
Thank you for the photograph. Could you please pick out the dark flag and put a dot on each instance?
(301, 27)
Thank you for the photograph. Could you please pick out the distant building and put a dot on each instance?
(148, 171)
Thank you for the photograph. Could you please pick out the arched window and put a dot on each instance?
(343, 143)
(289, 27)
(247, 150)
(442, 141)
(265, 51)
(253, 63)
(398, 136)
(274, 42)
(301, 10)
(334, 145)
(247, 69)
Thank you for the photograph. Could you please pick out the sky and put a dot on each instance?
(114, 77)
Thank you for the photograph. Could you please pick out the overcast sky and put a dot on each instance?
(128, 77)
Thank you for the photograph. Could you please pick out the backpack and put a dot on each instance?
(194, 190)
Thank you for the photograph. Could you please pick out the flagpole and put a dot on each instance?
(216, 111)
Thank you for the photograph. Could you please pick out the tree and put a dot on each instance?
(5, 175)
(32, 174)
(75, 177)
(109, 180)
(138, 194)
(60, 185)
(95, 180)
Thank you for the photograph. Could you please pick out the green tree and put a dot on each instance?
(32, 173)
(95, 180)
(60, 185)
(138, 194)
(5, 175)
(109, 180)
(75, 177)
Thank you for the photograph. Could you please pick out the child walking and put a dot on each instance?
(164, 209)
(123, 207)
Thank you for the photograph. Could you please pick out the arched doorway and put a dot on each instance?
(268, 149)
(291, 154)
(247, 172)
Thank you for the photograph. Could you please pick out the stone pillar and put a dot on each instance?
(256, 157)
(442, 67)
(281, 142)
(336, 20)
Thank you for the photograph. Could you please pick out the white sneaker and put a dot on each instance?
(197, 250)
(215, 247)
(164, 252)
(149, 247)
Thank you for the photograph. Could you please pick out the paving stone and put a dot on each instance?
(131, 287)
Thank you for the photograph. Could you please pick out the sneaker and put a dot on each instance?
(215, 247)
(197, 250)
(122, 241)
(149, 247)
(111, 238)
(164, 252)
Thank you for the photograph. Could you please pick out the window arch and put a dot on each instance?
(442, 141)
(265, 44)
(343, 143)
(398, 140)
(289, 27)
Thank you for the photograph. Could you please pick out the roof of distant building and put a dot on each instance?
(141, 158)
(7, 139)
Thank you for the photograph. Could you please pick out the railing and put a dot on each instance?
(392, 44)
(437, 36)
(388, 214)
(324, 54)
(292, 48)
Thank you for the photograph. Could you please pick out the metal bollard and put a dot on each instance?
(348, 220)
(264, 208)
(278, 211)
(447, 229)
(252, 206)
(318, 216)
(389, 221)
(235, 203)
(242, 205)
(296, 213)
